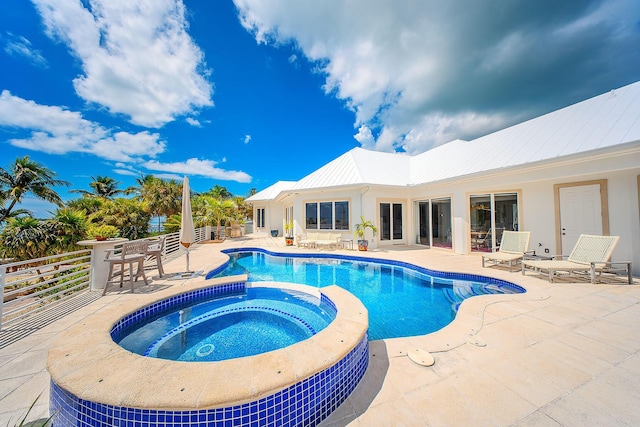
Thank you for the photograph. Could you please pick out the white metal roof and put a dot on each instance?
(360, 167)
(271, 192)
(600, 122)
(603, 121)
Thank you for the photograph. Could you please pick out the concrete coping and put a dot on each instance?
(87, 363)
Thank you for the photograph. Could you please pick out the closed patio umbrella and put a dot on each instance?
(187, 231)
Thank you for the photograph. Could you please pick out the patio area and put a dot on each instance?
(562, 354)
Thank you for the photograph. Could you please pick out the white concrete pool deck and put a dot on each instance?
(563, 354)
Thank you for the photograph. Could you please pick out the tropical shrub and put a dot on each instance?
(103, 230)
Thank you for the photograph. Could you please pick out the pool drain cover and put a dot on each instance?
(421, 357)
(205, 350)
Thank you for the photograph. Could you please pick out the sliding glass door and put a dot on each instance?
(433, 222)
(490, 215)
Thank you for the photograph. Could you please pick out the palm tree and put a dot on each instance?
(244, 210)
(211, 210)
(173, 223)
(103, 186)
(131, 217)
(25, 238)
(5, 213)
(27, 177)
(162, 197)
(89, 205)
(142, 184)
(219, 192)
(69, 227)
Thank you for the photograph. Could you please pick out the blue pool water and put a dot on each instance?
(402, 299)
(251, 322)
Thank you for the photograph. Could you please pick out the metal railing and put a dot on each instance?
(31, 286)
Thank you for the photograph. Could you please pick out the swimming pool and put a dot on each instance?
(242, 323)
(402, 299)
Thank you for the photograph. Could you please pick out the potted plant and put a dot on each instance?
(361, 230)
(102, 232)
(288, 233)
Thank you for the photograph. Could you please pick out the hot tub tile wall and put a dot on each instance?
(305, 403)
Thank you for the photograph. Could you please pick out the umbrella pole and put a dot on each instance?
(188, 271)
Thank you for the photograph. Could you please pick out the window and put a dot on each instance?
(311, 215)
(260, 217)
(330, 215)
(326, 216)
(342, 215)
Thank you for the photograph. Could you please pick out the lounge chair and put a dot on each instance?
(513, 246)
(591, 254)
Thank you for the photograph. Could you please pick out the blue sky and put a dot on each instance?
(245, 93)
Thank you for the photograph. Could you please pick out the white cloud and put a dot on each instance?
(198, 167)
(21, 46)
(418, 74)
(247, 139)
(365, 137)
(193, 122)
(171, 176)
(137, 57)
(56, 130)
(126, 172)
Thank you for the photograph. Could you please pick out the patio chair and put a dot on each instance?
(480, 239)
(155, 250)
(131, 253)
(590, 254)
(513, 246)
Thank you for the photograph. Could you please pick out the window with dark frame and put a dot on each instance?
(311, 216)
(329, 215)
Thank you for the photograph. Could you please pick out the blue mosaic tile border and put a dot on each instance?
(435, 273)
(306, 403)
(122, 327)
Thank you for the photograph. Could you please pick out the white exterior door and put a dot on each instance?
(580, 213)
(391, 223)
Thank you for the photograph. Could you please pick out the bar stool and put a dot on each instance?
(131, 253)
(155, 250)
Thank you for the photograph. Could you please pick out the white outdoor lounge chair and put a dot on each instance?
(590, 254)
(513, 246)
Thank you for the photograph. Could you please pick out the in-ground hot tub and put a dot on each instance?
(244, 322)
(95, 382)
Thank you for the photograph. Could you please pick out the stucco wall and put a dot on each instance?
(534, 184)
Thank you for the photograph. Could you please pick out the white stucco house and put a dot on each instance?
(575, 170)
